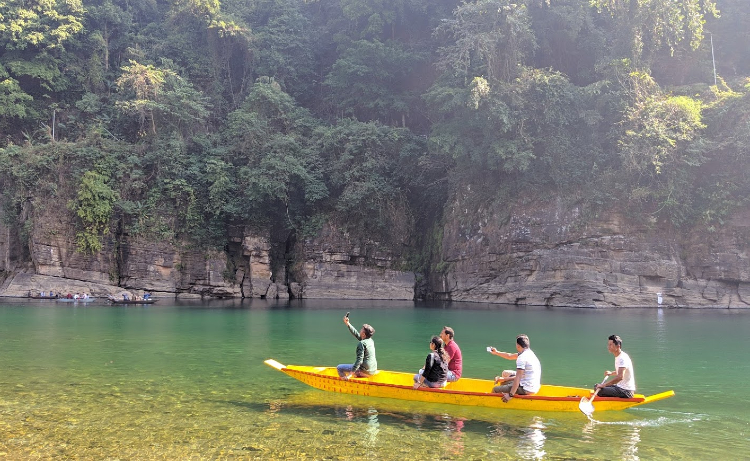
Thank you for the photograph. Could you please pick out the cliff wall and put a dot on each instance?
(546, 253)
(330, 265)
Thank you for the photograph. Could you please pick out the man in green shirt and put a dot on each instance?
(366, 363)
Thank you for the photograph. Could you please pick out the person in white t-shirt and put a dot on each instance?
(623, 383)
(528, 375)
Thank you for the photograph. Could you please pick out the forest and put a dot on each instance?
(177, 119)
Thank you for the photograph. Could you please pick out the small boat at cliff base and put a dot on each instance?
(132, 301)
(74, 300)
(465, 391)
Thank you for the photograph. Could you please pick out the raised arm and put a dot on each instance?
(505, 355)
(352, 330)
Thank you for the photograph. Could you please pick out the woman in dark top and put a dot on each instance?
(435, 371)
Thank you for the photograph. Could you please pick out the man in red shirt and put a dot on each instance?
(455, 365)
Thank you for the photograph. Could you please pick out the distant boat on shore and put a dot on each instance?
(132, 301)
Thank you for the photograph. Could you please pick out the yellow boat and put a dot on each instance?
(465, 391)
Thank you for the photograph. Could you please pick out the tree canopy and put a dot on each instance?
(181, 119)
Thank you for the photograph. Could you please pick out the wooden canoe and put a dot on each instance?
(132, 301)
(465, 391)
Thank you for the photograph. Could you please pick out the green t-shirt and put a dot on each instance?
(366, 360)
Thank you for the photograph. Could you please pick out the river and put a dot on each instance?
(187, 381)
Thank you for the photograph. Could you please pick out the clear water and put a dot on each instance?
(188, 382)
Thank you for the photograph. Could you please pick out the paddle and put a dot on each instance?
(585, 405)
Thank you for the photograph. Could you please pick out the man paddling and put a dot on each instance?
(455, 364)
(528, 377)
(623, 383)
(366, 364)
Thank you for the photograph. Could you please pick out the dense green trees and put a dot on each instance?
(180, 119)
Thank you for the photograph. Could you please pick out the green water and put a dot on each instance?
(187, 382)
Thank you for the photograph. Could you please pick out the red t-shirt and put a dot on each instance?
(454, 352)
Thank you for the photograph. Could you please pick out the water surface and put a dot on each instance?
(187, 381)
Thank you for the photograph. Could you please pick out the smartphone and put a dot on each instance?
(347, 315)
(489, 349)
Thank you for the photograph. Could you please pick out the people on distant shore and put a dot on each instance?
(41, 294)
(455, 362)
(365, 364)
(622, 385)
(435, 371)
(527, 378)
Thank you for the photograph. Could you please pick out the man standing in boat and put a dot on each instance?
(623, 383)
(366, 363)
(528, 375)
(455, 364)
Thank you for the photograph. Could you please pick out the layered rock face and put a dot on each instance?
(126, 264)
(547, 254)
(534, 253)
(338, 266)
(334, 266)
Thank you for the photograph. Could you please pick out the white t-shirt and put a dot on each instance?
(628, 377)
(532, 371)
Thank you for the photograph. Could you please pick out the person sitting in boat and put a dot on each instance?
(435, 371)
(528, 375)
(455, 364)
(125, 297)
(146, 296)
(623, 383)
(366, 364)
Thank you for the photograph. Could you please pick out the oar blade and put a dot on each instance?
(586, 407)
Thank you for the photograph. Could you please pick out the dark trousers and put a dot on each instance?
(615, 391)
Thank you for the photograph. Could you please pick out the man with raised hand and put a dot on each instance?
(528, 376)
(366, 364)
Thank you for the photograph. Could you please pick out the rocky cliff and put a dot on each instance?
(255, 265)
(548, 254)
(545, 252)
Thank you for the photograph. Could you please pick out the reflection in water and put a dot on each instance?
(629, 435)
(531, 442)
(661, 332)
(630, 438)
(373, 427)
(452, 427)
